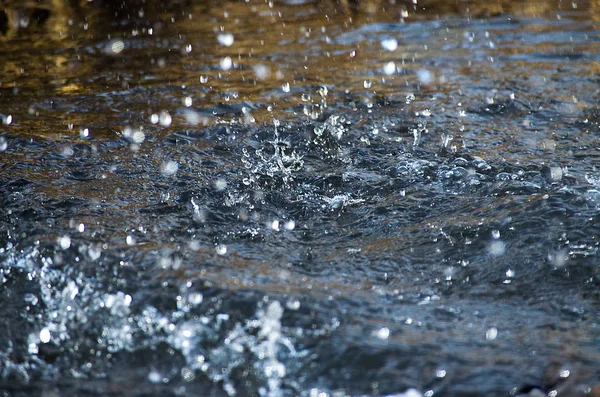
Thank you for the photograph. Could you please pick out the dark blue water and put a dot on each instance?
(299, 199)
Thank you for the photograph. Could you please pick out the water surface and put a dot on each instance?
(300, 198)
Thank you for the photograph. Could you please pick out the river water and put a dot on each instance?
(298, 198)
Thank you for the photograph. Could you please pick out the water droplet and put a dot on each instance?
(154, 377)
(94, 252)
(225, 39)
(64, 242)
(81, 227)
(275, 225)
(286, 87)
(390, 44)
(495, 234)
(261, 71)
(367, 84)
(165, 118)
(226, 63)
(496, 248)
(221, 249)
(154, 118)
(7, 119)
(425, 76)
(117, 46)
(289, 225)
(45, 335)
(169, 168)
(67, 151)
(130, 240)
(440, 373)
(220, 184)
(389, 68)
(293, 304)
(3, 144)
(84, 133)
(491, 333)
(187, 101)
(383, 333)
(510, 273)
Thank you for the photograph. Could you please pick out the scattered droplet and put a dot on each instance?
(226, 63)
(293, 304)
(221, 249)
(286, 87)
(45, 335)
(491, 333)
(261, 71)
(289, 225)
(390, 44)
(389, 68)
(169, 168)
(117, 46)
(94, 252)
(154, 377)
(383, 333)
(425, 76)
(220, 184)
(165, 118)
(64, 242)
(496, 248)
(225, 39)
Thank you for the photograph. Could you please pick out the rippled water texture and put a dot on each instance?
(296, 198)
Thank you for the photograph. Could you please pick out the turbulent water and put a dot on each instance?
(300, 198)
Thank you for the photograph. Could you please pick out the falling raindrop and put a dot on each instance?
(425, 76)
(225, 39)
(221, 249)
(389, 68)
(226, 63)
(45, 335)
(390, 44)
(169, 168)
(64, 242)
(261, 71)
(496, 248)
(165, 118)
(491, 333)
